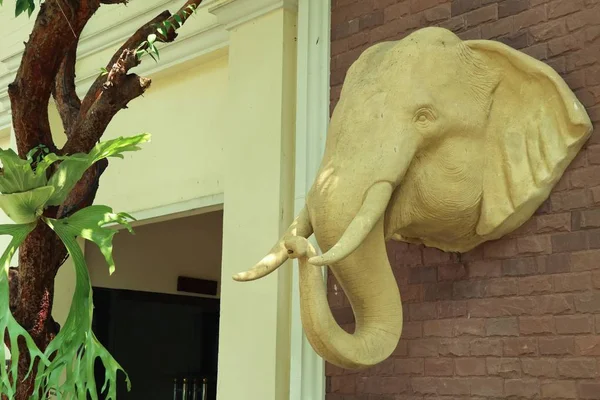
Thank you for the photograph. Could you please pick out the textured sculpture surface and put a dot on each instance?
(434, 140)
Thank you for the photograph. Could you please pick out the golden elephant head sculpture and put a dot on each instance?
(434, 140)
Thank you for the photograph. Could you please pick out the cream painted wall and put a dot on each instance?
(153, 258)
(184, 160)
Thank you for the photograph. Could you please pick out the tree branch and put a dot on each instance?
(109, 94)
(57, 27)
(64, 92)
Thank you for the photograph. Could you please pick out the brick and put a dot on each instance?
(572, 241)
(396, 11)
(370, 20)
(536, 325)
(588, 345)
(423, 347)
(410, 256)
(439, 13)
(494, 29)
(519, 266)
(469, 327)
(437, 291)
(557, 345)
(511, 7)
(577, 368)
(424, 385)
(439, 366)
(534, 245)
(517, 40)
(401, 349)
(594, 238)
(358, 39)
(573, 324)
(559, 389)
(451, 272)
(412, 330)
(438, 328)
(585, 260)
(470, 366)
(596, 280)
(502, 327)
(586, 177)
(381, 4)
(594, 154)
(558, 8)
(422, 274)
(576, 80)
(484, 268)
(463, 6)
(573, 282)
(486, 347)
(586, 219)
(548, 30)
(500, 287)
(504, 367)
(557, 263)
(589, 390)
(540, 367)
(588, 302)
(343, 384)
(487, 386)
(454, 24)
(514, 347)
(523, 388)
(553, 304)
(423, 311)
(455, 347)
(343, 315)
(385, 384)
(468, 289)
(501, 307)
(409, 366)
(535, 285)
(553, 223)
(453, 386)
(481, 15)
(420, 5)
(538, 51)
(530, 17)
(452, 309)
(559, 65)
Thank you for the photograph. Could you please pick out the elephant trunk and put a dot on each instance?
(356, 254)
(361, 267)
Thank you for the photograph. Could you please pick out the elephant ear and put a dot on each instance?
(536, 127)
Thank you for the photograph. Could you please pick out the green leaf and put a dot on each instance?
(10, 330)
(178, 19)
(18, 174)
(72, 167)
(151, 38)
(26, 207)
(76, 347)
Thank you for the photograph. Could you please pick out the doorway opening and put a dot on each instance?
(162, 332)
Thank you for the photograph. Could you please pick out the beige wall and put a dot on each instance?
(153, 258)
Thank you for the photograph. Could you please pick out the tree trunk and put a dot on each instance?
(48, 69)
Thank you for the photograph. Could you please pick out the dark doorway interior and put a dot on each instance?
(158, 338)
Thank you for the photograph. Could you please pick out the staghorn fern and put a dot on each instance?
(25, 193)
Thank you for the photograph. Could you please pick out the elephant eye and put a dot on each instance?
(424, 116)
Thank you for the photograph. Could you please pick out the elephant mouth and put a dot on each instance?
(371, 211)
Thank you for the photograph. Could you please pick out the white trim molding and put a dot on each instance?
(232, 13)
(307, 369)
(199, 38)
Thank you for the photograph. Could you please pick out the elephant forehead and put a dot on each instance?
(420, 56)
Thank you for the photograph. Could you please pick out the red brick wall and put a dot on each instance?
(515, 318)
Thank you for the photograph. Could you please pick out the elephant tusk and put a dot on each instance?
(373, 207)
(279, 253)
